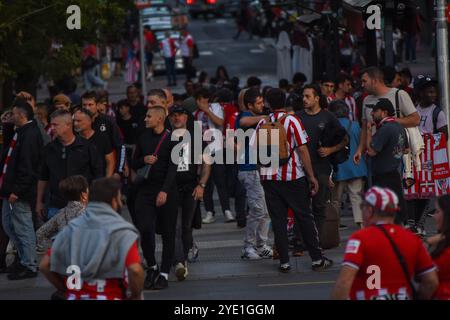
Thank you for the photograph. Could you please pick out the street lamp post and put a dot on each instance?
(442, 57)
(142, 54)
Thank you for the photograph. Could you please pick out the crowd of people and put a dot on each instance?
(66, 166)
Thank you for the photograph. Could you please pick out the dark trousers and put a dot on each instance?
(416, 209)
(184, 239)
(238, 192)
(281, 195)
(320, 200)
(151, 219)
(393, 181)
(171, 71)
(3, 242)
(188, 68)
(218, 178)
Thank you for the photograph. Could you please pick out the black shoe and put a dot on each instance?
(324, 264)
(150, 278)
(160, 283)
(24, 274)
(284, 268)
(343, 227)
(15, 267)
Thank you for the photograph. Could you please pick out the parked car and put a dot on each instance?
(205, 7)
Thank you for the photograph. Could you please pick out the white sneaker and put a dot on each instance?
(250, 253)
(181, 271)
(265, 252)
(229, 216)
(209, 218)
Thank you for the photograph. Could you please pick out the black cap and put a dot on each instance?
(178, 109)
(385, 105)
(421, 82)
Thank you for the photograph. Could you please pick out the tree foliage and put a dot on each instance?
(29, 30)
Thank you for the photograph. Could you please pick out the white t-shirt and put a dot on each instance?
(426, 119)
(207, 123)
(405, 103)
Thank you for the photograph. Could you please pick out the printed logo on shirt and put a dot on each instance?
(102, 128)
(183, 164)
(352, 246)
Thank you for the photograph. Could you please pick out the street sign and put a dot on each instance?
(142, 4)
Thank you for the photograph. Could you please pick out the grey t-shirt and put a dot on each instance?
(404, 100)
(389, 142)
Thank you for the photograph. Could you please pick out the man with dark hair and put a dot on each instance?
(327, 87)
(322, 128)
(374, 246)
(254, 82)
(82, 121)
(138, 109)
(392, 77)
(373, 83)
(20, 168)
(257, 226)
(65, 156)
(386, 148)
(283, 84)
(156, 198)
(343, 92)
(287, 187)
(102, 245)
(298, 80)
(107, 127)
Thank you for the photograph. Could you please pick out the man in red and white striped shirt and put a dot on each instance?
(288, 187)
(169, 47)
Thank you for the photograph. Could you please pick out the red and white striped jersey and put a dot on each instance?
(296, 136)
(351, 103)
(434, 178)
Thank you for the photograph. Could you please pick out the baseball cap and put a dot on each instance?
(61, 99)
(385, 104)
(383, 199)
(421, 82)
(178, 109)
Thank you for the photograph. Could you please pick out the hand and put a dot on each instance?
(357, 157)
(325, 152)
(198, 193)
(12, 198)
(313, 185)
(40, 209)
(126, 170)
(150, 159)
(161, 199)
(203, 106)
(7, 117)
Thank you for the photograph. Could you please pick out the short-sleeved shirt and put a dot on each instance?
(426, 119)
(103, 145)
(369, 249)
(389, 142)
(443, 265)
(404, 100)
(106, 289)
(316, 126)
(296, 136)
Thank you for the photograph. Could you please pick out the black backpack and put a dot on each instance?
(342, 155)
(436, 112)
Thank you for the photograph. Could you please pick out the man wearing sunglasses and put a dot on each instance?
(66, 156)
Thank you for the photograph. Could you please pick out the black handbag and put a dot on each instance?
(143, 173)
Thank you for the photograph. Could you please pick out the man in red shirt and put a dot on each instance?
(96, 257)
(371, 269)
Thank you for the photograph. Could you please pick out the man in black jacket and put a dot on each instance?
(20, 167)
(66, 156)
(156, 200)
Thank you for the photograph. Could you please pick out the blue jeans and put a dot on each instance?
(170, 70)
(23, 228)
(410, 46)
(7, 222)
(91, 79)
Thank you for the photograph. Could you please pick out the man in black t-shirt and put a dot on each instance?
(192, 176)
(82, 121)
(105, 125)
(138, 109)
(320, 124)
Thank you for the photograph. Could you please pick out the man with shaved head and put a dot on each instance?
(67, 155)
(156, 198)
(157, 97)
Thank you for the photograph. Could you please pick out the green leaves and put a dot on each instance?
(29, 29)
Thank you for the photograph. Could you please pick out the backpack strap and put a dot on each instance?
(436, 113)
(397, 104)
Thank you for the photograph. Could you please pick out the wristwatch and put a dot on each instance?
(202, 185)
